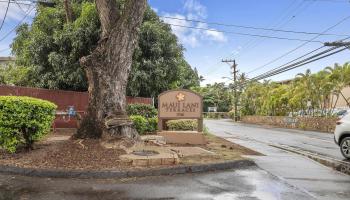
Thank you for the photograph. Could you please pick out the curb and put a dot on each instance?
(50, 173)
(341, 166)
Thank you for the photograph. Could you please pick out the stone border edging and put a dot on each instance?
(50, 173)
(341, 166)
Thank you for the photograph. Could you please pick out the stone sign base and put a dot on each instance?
(183, 137)
(163, 158)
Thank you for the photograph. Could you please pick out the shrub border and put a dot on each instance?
(182, 169)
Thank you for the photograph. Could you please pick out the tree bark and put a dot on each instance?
(107, 69)
(68, 9)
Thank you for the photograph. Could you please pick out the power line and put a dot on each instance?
(19, 23)
(294, 12)
(49, 3)
(298, 47)
(246, 34)
(19, 6)
(21, 3)
(252, 27)
(252, 41)
(297, 58)
(295, 65)
(304, 60)
(7, 8)
(310, 61)
(3, 50)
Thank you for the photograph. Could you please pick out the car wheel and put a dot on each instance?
(345, 147)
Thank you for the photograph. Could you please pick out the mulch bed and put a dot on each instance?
(58, 151)
(66, 154)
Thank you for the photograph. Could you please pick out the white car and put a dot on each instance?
(342, 134)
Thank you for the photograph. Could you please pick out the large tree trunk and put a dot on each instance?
(108, 68)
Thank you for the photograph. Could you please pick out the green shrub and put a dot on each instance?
(144, 125)
(212, 115)
(144, 110)
(24, 120)
(152, 124)
(182, 125)
(140, 123)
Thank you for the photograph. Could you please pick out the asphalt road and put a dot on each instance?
(305, 174)
(248, 184)
(321, 143)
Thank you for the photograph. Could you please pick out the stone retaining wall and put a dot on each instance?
(323, 124)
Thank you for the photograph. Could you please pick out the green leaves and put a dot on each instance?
(144, 110)
(322, 89)
(144, 125)
(217, 95)
(182, 125)
(144, 117)
(51, 49)
(24, 120)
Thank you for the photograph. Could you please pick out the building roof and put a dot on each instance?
(8, 58)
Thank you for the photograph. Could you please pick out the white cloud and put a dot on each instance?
(195, 9)
(154, 9)
(177, 28)
(217, 36)
(193, 37)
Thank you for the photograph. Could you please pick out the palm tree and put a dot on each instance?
(339, 76)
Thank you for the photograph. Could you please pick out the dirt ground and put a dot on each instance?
(59, 151)
(223, 149)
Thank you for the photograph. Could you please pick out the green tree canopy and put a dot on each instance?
(312, 94)
(50, 49)
(216, 95)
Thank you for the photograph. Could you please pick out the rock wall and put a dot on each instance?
(323, 124)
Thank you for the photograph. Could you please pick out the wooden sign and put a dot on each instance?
(180, 104)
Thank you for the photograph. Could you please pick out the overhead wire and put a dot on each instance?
(3, 21)
(246, 34)
(287, 65)
(252, 27)
(298, 47)
(256, 41)
(19, 23)
(3, 50)
(299, 65)
(279, 23)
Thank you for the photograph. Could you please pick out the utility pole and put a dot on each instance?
(234, 73)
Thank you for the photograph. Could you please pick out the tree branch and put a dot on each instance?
(133, 13)
(108, 14)
(68, 9)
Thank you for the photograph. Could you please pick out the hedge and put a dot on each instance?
(144, 125)
(24, 120)
(144, 110)
(182, 125)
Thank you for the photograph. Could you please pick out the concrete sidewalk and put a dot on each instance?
(308, 175)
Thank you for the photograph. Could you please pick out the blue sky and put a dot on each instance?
(205, 49)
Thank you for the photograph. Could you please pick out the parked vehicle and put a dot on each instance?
(341, 113)
(342, 134)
